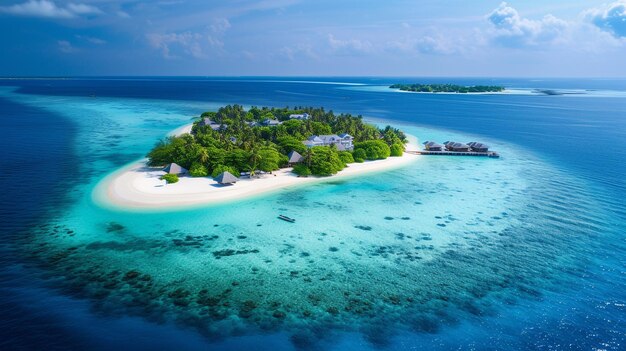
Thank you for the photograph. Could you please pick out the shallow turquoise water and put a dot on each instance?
(432, 253)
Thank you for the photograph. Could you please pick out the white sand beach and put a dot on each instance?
(186, 129)
(140, 187)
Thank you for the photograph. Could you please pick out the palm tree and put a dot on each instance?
(308, 155)
(203, 155)
(254, 161)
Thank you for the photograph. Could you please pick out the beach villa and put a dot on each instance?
(299, 116)
(210, 123)
(271, 122)
(342, 141)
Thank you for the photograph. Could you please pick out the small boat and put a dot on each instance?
(286, 219)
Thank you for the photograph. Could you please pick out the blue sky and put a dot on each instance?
(290, 37)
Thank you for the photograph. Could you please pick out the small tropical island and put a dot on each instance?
(234, 153)
(448, 88)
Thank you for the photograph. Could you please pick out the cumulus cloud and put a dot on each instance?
(188, 42)
(431, 45)
(220, 25)
(611, 19)
(435, 43)
(196, 44)
(349, 47)
(511, 29)
(82, 9)
(46, 8)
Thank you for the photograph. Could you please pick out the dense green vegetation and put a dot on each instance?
(302, 170)
(241, 143)
(374, 149)
(170, 178)
(448, 88)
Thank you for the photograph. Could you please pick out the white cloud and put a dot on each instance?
(195, 44)
(92, 40)
(611, 18)
(66, 47)
(426, 44)
(82, 9)
(220, 25)
(431, 45)
(349, 47)
(122, 14)
(48, 9)
(513, 30)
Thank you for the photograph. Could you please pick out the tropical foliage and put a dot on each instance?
(374, 149)
(302, 170)
(170, 178)
(240, 141)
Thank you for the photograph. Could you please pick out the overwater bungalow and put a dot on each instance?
(294, 157)
(478, 147)
(226, 178)
(174, 168)
(457, 147)
(432, 146)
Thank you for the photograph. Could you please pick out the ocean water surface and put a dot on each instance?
(522, 252)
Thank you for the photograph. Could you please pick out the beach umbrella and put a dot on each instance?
(174, 168)
(226, 178)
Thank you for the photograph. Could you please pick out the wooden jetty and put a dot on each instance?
(491, 154)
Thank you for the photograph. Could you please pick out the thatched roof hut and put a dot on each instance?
(294, 157)
(226, 178)
(174, 168)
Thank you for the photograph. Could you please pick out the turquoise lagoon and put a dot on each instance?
(399, 258)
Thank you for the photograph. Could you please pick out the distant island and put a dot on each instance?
(447, 88)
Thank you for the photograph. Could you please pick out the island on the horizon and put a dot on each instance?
(448, 88)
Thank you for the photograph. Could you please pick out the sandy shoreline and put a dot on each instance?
(186, 129)
(139, 187)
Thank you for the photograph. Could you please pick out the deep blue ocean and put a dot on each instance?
(581, 134)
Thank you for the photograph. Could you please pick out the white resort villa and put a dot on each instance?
(341, 141)
(208, 122)
(299, 116)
